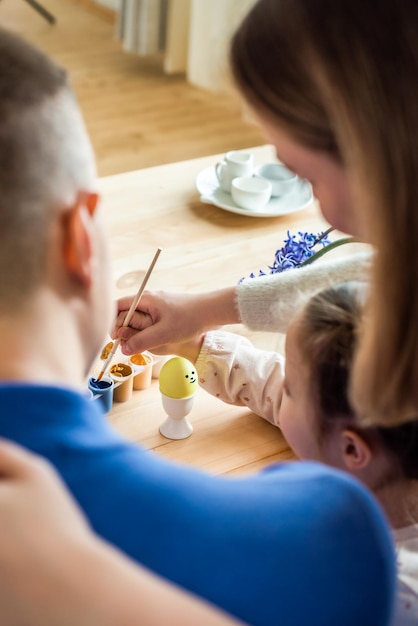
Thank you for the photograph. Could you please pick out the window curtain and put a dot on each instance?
(142, 26)
(193, 34)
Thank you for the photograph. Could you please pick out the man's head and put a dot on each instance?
(50, 239)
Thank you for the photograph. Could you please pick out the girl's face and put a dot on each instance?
(328, 178)
(341, 446)
(297, 416)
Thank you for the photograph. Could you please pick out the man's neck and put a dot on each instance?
(42, 344)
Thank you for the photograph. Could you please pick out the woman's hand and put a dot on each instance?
(163, 320)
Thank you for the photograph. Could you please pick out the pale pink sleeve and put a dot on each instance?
(232, 369)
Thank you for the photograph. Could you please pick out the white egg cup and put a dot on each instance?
(176, 426)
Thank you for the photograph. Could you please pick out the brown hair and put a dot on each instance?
(43, 160)
(343, 77)
(328, 329)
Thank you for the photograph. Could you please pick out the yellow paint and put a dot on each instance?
(140, 359)
(178, 378)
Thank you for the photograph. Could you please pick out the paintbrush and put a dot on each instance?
(130, 313)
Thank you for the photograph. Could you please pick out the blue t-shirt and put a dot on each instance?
(296, 544)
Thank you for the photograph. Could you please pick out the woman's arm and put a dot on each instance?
(265, 303)
(269, 302)
(164, 319)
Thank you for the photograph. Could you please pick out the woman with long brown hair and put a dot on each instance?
(335, 87)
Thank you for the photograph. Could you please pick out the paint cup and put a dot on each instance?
(122, 375)
(104, 390)
(142, 369)
(88, 394)
(106, 351)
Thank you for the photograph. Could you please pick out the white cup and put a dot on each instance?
(281, 179)
(251, 193)
(235, 163)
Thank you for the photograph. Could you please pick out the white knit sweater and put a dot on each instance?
(269, 302)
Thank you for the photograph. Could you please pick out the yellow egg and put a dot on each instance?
(178, 378)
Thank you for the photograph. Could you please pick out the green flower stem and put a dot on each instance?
(328, 248)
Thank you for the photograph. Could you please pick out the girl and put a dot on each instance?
(307, 396)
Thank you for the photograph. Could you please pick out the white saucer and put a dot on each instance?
(298, 197)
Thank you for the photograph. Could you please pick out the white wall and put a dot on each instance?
(212, 23)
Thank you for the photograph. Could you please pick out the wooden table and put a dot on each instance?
(204, 248)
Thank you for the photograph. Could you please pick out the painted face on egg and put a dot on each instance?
(178, 378)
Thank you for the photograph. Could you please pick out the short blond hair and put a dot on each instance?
(45, 158)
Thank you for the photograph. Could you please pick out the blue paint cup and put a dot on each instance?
(102, 391)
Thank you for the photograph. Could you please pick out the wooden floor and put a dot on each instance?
(136, 116)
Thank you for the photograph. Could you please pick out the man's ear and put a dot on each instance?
(77, 238)
(355, 451)
(90, 201)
